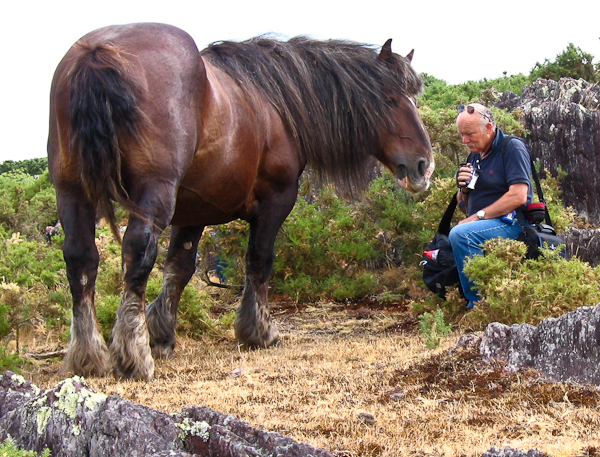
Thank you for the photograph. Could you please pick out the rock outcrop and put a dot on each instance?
(561, 349)
(583, 243)
(73, 420)
(563, 119)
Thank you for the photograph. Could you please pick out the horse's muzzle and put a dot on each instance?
(415, 179)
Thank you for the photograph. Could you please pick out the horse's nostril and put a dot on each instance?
(401, 171)
(423, 167)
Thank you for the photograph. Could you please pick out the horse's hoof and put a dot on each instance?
(140, 368)
(137, 375)
(162, 352)
(276, 343)
(86, 364)
(256, 342)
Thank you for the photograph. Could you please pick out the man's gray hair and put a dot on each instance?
(489, 115)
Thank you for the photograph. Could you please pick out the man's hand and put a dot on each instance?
(463, 176)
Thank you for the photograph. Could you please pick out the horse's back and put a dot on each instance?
(161, 67)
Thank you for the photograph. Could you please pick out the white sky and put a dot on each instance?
(454, 41)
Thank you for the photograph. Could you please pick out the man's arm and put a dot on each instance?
(510, 201)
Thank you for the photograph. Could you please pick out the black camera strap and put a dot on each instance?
(444, 227)
(538, 185)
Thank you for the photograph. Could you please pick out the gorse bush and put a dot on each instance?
(516, 290)
(27, 263)
(323, 247)
(34, 285)
(27, 203)
(440, 95)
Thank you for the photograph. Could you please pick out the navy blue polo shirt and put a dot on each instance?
(498, 173)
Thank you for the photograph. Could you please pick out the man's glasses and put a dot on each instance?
(471, 109)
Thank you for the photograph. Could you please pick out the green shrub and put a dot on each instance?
(27, 203)
(30, 263)
(440, 95)
(392, 222)
(9, 449)
(572, 62)
(322, 237)
(516, 290)
(30, 166)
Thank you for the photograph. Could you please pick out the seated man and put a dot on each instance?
(492, 185)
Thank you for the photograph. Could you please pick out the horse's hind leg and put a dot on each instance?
(130, 347)
(87, 353)
(180, 265)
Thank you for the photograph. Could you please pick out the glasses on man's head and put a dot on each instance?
(471, 109)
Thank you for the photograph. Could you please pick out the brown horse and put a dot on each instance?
(140, 117)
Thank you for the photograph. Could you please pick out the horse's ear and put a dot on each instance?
(410, 55)
(386, 51)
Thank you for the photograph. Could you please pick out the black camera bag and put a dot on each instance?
(441, 272)
(536, 236)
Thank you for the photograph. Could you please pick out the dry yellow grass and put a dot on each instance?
(359, 382)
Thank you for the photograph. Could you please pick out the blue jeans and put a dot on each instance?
(466, 240)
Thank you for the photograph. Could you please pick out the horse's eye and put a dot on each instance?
(391, 101)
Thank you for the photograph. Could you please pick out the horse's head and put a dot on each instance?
(406, 149)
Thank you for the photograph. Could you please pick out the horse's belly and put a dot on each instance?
(193, 208)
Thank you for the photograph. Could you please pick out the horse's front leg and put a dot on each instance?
(87, 354)
(253, 325)
(180, 265)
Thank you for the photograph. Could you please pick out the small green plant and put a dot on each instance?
(434, 328)
(517, 290)
(9, 449)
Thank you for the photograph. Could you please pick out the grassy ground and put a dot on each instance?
(357, 380)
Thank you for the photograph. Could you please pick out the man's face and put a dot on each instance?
(476, 134)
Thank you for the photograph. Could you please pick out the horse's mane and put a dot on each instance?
(333, 96)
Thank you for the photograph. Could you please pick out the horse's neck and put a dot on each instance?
(231, 107)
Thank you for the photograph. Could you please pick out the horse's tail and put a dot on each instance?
(105, 121)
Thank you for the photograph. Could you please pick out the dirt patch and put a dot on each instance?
(356, 380)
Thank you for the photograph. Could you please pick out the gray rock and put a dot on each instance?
(562, 349)
(583, 243)
(74, 420)
(510, 452)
